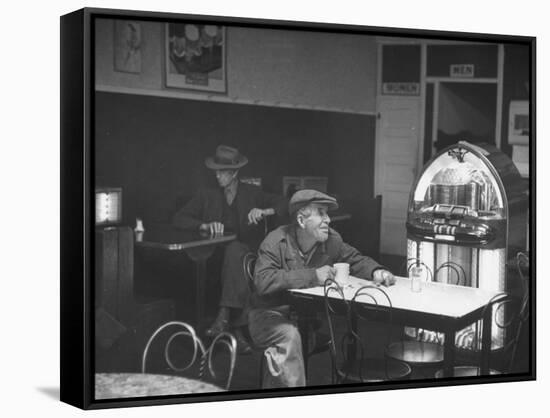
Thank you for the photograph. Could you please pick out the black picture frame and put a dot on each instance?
(78, 182)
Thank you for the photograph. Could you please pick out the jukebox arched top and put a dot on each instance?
(463, 196)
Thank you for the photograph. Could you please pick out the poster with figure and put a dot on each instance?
(195, 57)
(127, 46)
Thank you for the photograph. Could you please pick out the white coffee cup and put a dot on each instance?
(342, 273)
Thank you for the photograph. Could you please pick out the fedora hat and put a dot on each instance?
(226, 158)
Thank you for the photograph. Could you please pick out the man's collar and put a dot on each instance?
(233, 186)
(293, 236)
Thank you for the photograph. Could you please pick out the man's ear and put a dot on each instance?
(301, 221)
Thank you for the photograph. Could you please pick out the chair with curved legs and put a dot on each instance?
(509, 314)
(202, 361)
(423, 349)
(349, 363)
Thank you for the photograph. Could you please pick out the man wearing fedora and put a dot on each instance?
(295, 256)
(239, 208)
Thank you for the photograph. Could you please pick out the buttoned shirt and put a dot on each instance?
(281, 265)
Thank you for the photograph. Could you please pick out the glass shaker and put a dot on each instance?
(416, 273)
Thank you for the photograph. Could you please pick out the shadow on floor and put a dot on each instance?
(52, 392)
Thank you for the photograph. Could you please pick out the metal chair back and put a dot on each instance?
(512, 314)
(378, 308)
(522, 264)
(200, 356)
(412, 262)
(348, 352)
(505, 313)
(454, 267)
(337, 307)
(249, 261)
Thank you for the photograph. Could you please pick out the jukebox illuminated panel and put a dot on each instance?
(461, 209)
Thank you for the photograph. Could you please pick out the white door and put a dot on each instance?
(397, 159)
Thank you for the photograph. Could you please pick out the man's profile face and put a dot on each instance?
(225, 177)
(317, 224)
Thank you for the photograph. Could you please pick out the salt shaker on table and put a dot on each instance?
(416, 278)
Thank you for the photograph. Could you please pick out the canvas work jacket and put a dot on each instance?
(280, 266)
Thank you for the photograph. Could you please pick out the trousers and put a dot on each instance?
(273, 331)
(235, 287)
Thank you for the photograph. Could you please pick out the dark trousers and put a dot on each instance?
(235, 286)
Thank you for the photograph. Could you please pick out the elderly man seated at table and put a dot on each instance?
(299, 255)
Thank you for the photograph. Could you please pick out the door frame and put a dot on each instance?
(424, 79)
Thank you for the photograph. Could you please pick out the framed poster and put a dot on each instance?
(195, 56)
(147, 242)
(127, 46)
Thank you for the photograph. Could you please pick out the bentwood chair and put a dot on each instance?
(349, 362)
(522, 265)
(419, 348)
(214, 363)
(319, 341)
(452, 267)
(509, 314)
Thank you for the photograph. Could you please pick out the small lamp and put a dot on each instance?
(108, 206)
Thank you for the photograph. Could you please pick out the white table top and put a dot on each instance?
(434, 298)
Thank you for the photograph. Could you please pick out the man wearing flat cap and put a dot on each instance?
(295, 256)
(239, 208)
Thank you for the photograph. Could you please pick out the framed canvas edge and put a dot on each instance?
(76, 326)
(74, 208)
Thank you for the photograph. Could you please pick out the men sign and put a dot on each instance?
(462, 70)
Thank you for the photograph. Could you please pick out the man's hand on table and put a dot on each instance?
(324, 273)
(213, 228)
(384, 277)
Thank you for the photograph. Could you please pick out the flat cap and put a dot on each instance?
(304, 197)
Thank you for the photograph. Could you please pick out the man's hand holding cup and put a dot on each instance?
(324, 273)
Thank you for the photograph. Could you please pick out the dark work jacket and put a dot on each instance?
(281, 267)
(207, 206)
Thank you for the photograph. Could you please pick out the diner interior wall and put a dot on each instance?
(458, 111)
(154, 148)
(318, 70)
(516, 84)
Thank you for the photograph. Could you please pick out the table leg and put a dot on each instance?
(199, 256)
(449, 353)
(200, 277)
(486, 342)
(352, 345)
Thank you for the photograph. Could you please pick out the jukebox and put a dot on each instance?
(467, 215)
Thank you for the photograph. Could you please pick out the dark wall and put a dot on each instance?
(516, 84)
(154, 148)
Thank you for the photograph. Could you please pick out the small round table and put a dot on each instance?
(127, 385)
